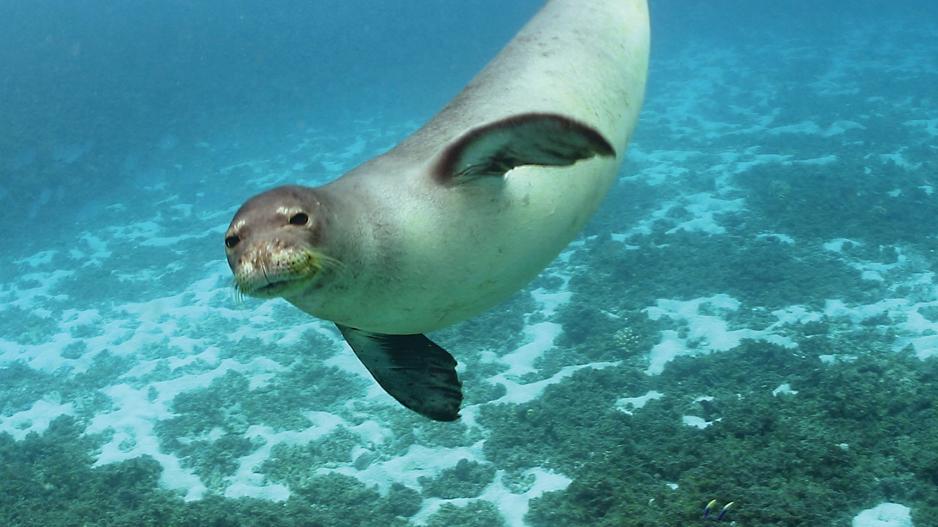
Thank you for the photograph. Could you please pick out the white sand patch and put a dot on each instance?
(930, 125)
(136, 410)
(795, 314)
(74, 318)
(898, 159)
(36, 419)
(136, 231)
(804, 127)
(837, 244)
(210, 355)
(704, 207)
(644, 226)
(916, 330)
(835, 308)
(39, 259)
(869, 270)
(836, 359)
(738, 163)
(839, 127)
(884, 515)
(784, 389)
(168, 389)
(659, 166)
(551, 301)
(141, 369)
(903, 316)
(157, 321)
(697, 422)
(829, 159)
(628, 405)
(371, 432)
(419, 461)
(46, 357)
(90, 250)
(133, 436)
(33, 291)
(540, 337)
(246, 483)
(517, 393)
(511, 506)
(668, 348)
(169, 241)
(702, 333)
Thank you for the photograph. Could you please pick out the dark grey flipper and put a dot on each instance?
(525, 139)
(412, 369)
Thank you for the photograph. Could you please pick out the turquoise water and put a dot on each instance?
(751, 316)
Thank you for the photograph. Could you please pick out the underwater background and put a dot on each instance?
(752, 317)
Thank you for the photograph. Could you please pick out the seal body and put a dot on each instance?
(469, 208)
(439, 253)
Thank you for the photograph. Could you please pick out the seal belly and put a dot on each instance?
(472, 261)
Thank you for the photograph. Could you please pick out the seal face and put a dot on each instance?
(272, 243)
(465, 211)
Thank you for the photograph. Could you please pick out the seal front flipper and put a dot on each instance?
(526, 139)
(412, 369)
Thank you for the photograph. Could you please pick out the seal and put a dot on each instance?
(465, 211)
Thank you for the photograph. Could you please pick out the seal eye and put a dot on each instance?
(232, 240)
(300, 218)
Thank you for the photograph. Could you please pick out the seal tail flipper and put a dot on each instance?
(527, 139)
(411, 368)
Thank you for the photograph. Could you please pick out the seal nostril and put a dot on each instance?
(300, 219)
(231, 241)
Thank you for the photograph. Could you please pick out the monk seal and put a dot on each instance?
(465, 211)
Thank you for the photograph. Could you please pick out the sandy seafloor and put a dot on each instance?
(751, 317)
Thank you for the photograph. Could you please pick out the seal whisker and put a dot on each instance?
(331, 264)
(237, 291)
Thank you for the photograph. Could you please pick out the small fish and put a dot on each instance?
(724, 510)
(712, 507)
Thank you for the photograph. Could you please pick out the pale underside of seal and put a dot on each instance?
(465, 211)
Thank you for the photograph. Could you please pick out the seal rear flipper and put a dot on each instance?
(412, 369)
(526, 139)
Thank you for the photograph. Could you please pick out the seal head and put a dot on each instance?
(273, 241)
